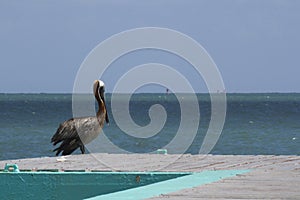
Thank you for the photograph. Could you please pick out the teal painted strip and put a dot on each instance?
(74, 185)
(173, 185)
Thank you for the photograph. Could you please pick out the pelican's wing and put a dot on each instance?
(74, 133)
(75, 128)
(66, 130)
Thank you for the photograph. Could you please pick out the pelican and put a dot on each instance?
(76, 132)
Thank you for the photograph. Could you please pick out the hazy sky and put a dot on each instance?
(255, 43)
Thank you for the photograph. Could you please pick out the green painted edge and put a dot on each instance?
(74, 185)
(172, 185)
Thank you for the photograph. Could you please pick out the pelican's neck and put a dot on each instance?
(101, 111)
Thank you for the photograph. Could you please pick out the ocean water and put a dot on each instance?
(255, 124)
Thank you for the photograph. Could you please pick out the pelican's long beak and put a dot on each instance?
(103, 99)
(106, 115)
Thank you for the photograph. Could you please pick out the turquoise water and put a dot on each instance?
(255, 124)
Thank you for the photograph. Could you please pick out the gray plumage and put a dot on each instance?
(76, 132)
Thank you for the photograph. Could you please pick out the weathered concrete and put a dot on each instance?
(271, 177)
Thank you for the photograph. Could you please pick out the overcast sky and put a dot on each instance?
(254, 43)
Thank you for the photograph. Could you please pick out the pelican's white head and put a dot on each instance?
(98, 84)
(101, 83)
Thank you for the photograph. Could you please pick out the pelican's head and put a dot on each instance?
(99, 89)
(98, 86)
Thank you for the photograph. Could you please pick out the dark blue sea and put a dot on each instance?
(255, 124)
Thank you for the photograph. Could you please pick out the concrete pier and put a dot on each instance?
(270, 177)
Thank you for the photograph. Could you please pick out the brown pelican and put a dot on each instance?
(76, 132)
